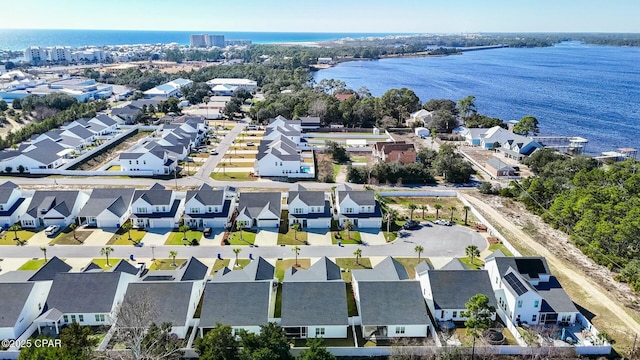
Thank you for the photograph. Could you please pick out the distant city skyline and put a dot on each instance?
(371, 16)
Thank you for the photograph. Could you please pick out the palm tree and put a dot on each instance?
(224, 168)
(423, 207)
(105, 251)
(183, 229)
(391, 215)
(437, 207)
(419, 249)
(73, 227)
(295, 227)
(173, 255)
(15, 228)
(412, 207)
(127, 226)
(239, 228)
(44, 250)
(453, 210)
(472, 252)
(466, 212)
(296, 250)
(358, 254)
(349, 226)
(237, 251)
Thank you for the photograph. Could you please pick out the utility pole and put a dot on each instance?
(153, 253)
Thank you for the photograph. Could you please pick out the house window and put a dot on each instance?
(276, 163)
(519, 303)
(566, 318)
(400, 330)
(280, 163)
(536, 303)
(164, 209)
(297, 211)
(194, 210)
(130, 162)
(101, 317)
(81, 318)
(73, 318)
(216, 209)
(27, 222)
(157, 208)
(348, 210)
(210, 209)
(144, 162)
(455, 314)
(141, 210)
(137, 163)
(1, 207)
(319, 332)
(65, 318)
(97, 317)
(442, 314)
(534, 317)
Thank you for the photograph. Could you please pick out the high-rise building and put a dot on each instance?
(198, 40)
(216, 40)
(35, 55)
(59, 53)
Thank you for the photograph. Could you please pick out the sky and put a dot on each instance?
(366, 16)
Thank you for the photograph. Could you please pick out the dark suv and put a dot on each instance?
(411, 224)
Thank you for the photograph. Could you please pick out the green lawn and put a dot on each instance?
(248, 238)
(288, 238)
(350, 264)
(122, 238)
(8, 236)
(496, 247)
(219, 264)
(351, 301)
(176, 237)
(353, 239)
(477, 263)
(165, 264)
(241, 263)
(336, 170)
(66, 237)
(32, 265)
(282, 265)
(232, 176)
(102, 262)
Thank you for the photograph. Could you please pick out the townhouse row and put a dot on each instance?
(159, 207)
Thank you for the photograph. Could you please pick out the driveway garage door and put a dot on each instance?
(268, 223)
(161, 223)
(369, 223)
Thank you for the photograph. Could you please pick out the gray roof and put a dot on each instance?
(366, 197)
(452, 289)
(49, 270)
(13, 298)
(392, 303)
(322, 270)
(314, 303)
(80, 131)
(388, 269)
(310, 198)
(497, 253)
(115, 200)
(528, 267)
(172, 299)
(281, 147)
(104, 119)
(9, 185)
(235, 304)
(5, 192)
(499, 164)
(423, 266)
(555, 298)
(154, 197)
(252, 204)
(92, 267)
(206, 196)
(92, 292)
(257, 270)
(126, 267)
(191, 270)
(45, 152)
(131, 155)
(62, 201)
(454, 264)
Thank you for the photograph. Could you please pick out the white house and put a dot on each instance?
(111, 124)
(259, 209)
(281, 157)
(153, 160)
(175, 294)
(12, 204)
(207, 207)
(314, 302)
(107, 208)
(511, 144)
(156, 207)
(421, 115)
(447, 291)
(239, 298)
(527, 292)
(20, 305)
(310, 209)
(56, 207)
(390, 304)
(358, 206)
(45, 154)
(167, 90)
(247, 84)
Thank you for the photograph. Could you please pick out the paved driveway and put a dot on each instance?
(214, 240)
(372, 237)
(156, 237)
(318, 237)
(100, 237)
(266, 237)
(438, 240)
(40, 239)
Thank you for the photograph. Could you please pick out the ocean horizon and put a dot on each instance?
(20, 39)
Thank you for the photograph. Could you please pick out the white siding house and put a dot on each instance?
(260, 210)
(360, 207)
(107, 208)
(20, 305)
(156, 208)
(207, 207)
(53, 208)
(310, 209)
(12, 204)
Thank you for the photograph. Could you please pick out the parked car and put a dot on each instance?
(51, 230)
(443, 222)
(213, 152)
(411, 224)
(207, 232)
(250, 143)
(252, 127)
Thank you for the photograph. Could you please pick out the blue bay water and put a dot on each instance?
(573, 89)
(15, 39)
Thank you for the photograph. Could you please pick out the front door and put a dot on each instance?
(304, 223)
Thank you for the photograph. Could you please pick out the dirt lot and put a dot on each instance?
(95, 162)
(614, 305)
(481, 156)
(411, 138)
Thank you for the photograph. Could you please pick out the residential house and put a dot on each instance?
(175, 294)
(310, 122)
(526, 291)
(207, 207)
(421, 116)
(12, 204)
(281, 157)
(473, 136)
(156, 207)
(448, 291)
(226, 294)
(281, 121)
(20, 305)
(167, 90)
(154, 161)
(44, 154)
(107, 208)
(53, 207)
(358, 206)
(310, 209)
(497, 167)
(314, 302)
(511, 145)
(382, 150)
(402, 157)
(110, 124)
(390, 304)
(259, 209)
(247, 84)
